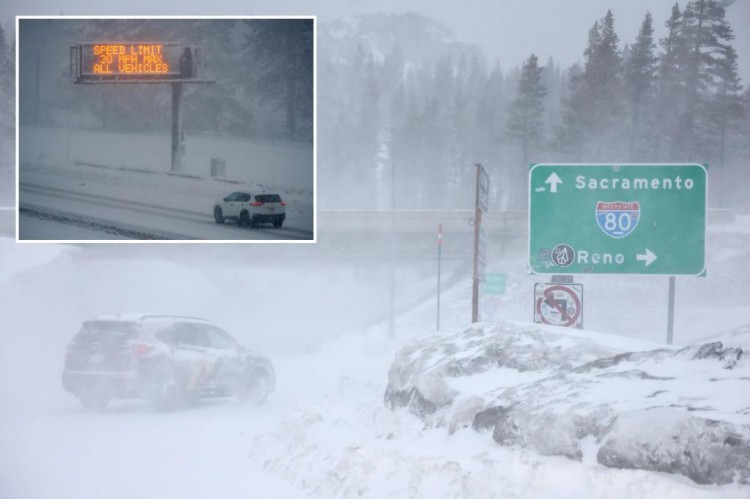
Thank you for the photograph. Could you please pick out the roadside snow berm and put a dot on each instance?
(556, 390)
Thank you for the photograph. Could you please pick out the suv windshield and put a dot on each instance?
(268, 198)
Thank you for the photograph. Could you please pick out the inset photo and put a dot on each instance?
(166, 129)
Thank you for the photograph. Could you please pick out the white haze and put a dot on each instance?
(320, 317)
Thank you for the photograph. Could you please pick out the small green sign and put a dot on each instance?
(617, 219)
(494, 284)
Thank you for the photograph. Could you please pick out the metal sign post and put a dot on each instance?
(439, 255)
(482, 195)
(670, 310)
(177, 136)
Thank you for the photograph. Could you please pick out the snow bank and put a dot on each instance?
(570, 393)
(439, 373)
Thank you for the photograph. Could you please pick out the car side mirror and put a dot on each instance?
(226, 199)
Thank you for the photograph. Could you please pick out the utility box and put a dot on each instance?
(218, 167)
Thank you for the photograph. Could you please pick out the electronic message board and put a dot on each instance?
(122, 62)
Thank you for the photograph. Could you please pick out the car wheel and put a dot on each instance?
(165, 389)
(218, 215)
(244, 219)
(256, 387)
(277, 223)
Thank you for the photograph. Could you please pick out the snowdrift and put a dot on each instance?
(627, 404)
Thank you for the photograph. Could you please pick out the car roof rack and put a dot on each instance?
(140, 316)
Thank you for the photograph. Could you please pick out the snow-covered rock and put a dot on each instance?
(447, 373)
(708, 451)
(555, 391)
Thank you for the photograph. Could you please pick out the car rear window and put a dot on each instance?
(106, 332)
(268, 198)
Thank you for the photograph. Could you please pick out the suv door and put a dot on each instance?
(231, 205)
(192, 352)
(228, 357)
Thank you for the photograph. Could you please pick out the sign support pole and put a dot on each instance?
(392, 253)
(475, 283)
(177, 138)
(670, 310)
(440, 251)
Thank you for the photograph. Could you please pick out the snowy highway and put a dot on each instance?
(128, 193)
(130, 218)
(326, 431)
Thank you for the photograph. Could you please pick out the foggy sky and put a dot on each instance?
(507, 30)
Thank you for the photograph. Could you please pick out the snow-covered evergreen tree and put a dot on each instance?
(7, 82)
(284, 49)
(595, 106)
(726, 105)
(707, 33)
(671, 89)
(640, 85)
(526, 112)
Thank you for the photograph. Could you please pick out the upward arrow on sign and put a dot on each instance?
(553, 180)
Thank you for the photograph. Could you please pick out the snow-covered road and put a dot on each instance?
(325, 432)
(59, 451)
(128, 192)
(130, 218)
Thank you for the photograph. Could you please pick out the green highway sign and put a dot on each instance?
(617, 219)
(493, 285)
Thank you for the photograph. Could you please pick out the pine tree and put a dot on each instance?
(284, 49)
(707, 33)
(726, 106)
(488, 115)
(7, 81)
(604, 74)
(6, 58)
(526, 111)
(640, 84)
(594, 107)
(672, 96)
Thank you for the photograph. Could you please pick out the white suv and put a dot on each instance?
(251, 209)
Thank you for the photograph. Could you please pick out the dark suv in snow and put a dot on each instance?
(163, 359)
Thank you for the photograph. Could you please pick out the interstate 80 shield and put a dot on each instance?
(617, 219)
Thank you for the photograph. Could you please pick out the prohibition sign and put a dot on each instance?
(562, 299)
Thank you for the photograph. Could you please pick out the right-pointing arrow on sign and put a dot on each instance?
(647, 257)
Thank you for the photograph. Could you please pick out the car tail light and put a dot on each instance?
(256, 203)
(282, 203)
(140, 349)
